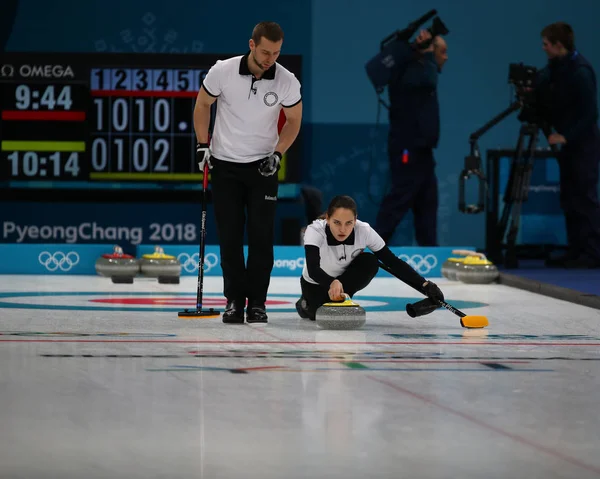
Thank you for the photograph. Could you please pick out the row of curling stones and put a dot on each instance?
(344, 314)
(121, 268)
(472, 268)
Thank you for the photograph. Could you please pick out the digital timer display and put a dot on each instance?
(104, 120)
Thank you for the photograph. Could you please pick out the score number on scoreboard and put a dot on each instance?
(141, 123)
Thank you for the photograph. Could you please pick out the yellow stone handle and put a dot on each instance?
(347, 302)
(466, 252)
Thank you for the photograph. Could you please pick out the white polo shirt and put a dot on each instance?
(336, 258)
(245, 128)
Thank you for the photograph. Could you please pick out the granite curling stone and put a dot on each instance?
(159, 265)
(477, 270)
(452, 264)
(341, 315)
(449, 268)
(118, 266)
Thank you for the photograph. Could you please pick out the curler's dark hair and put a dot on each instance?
(340, 201)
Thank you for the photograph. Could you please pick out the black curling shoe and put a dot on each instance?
(302, 308)
(234, 312)
(256, 313)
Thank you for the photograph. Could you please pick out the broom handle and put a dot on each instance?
(202, 239)
(449, 307)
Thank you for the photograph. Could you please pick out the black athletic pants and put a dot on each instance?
(414, 186)
(579, 172)
(241, 194)
(356, 277)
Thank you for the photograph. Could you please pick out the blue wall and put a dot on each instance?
(344, 152)
(484, 38)
(154, 26)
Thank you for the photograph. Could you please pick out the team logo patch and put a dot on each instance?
(271, 98)
(357, 252)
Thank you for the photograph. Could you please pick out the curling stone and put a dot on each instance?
(451, 265)
(159, 265)
(118, 266)
(341, 315)
(449, 268)
(476, 270)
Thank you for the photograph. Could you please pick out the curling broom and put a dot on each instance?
(466, 321)
(199, 312)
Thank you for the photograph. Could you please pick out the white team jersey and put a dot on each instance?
(248, 110)
(335, 259)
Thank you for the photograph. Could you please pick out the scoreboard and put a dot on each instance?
(106, 120)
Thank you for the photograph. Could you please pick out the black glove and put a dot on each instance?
(270, 165)
(431, 290)
(421, 308)
(203, 156)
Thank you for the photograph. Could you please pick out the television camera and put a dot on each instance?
(395, 49)
(534, 117)
(521, 75)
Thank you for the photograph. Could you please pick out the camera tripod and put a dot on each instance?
(517, 190)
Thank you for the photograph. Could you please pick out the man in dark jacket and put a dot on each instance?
(414, 133)
(569, 84)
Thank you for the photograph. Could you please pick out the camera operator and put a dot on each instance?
(568, 87)
(414, 133)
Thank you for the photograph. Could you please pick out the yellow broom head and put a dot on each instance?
(474, 322)
(198, 314)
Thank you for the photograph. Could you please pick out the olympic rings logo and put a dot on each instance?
(190, 262)
(58, 260)
(422, 264)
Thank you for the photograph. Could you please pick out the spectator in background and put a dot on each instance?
(414, 133)
(568, 86)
